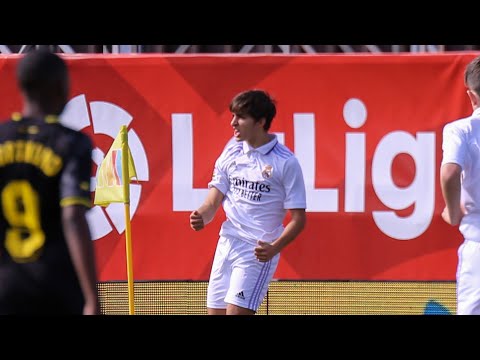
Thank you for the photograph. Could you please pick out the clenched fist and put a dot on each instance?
(196, 221)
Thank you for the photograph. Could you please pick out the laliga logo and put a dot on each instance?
(420, 193)
(107, 118)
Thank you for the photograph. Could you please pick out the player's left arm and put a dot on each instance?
(75, 202)
(80, 247)
(266, 251)
(295, 201)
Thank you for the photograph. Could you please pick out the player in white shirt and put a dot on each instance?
(460, 182)
(257, 179)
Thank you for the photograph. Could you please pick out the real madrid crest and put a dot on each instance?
(267, 171)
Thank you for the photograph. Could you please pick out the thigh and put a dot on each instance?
(219, 276)
(250, 278)
(468, 278)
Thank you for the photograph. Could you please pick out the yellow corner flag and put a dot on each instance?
(113, 182)
(113, 185)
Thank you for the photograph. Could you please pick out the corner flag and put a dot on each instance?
(113, 182)
(113, 185)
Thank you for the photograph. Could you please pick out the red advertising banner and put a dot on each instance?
(367, 130)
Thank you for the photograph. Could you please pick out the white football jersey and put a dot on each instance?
(461, 145)
(259, 186)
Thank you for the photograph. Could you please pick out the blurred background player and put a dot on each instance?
(460, 183)
(46, 253)
(257, 179)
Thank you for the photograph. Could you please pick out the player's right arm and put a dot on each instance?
(206, 212)
(455, 150)
(450, 181)
(218, 187)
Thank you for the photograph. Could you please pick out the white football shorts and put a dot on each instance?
(468, 278)
(237, 277)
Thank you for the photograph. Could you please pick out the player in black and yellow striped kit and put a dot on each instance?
(46, 254)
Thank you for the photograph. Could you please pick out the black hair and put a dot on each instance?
(472, 75)
(255, 103)
(43, 78)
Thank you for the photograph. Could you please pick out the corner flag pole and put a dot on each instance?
(113, 186)
(128, 239)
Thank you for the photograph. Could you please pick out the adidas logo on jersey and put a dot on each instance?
(240, 295)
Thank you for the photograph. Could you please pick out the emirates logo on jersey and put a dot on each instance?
(267, 171)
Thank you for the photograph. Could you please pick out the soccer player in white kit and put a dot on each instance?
(257, 179)
(460, 182)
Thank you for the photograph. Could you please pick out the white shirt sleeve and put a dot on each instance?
(220, 178)
(294, 185)
(454, 145)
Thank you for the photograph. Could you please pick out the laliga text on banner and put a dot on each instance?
(420, 193)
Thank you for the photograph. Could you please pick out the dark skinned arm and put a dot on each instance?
(80, 246)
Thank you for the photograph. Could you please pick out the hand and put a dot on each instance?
(91, 307)
(196, 221)
(264, 251)
(445, 216)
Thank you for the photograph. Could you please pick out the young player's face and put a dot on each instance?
(245, 128)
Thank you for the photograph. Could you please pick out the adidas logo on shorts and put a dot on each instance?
(240, 295)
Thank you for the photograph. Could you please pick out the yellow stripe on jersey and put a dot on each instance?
(85, 186)
(51, 119)
(76, 200)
